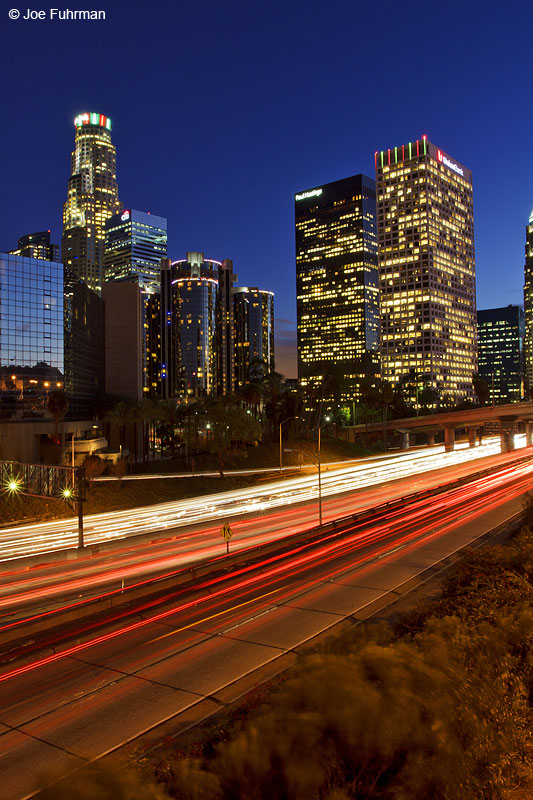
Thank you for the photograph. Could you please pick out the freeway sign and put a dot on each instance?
(226, 534)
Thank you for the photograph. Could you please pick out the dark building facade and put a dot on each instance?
(337, 284)
(51, 337)
(500, 334)
(92, 198)
(253, 313)
(528, 308)
(37, 245)
(226, 328)
(427, 269)
(135, 243)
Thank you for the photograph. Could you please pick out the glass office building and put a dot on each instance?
(337, 285)
(253, 314)
(92, 198)
(427, 270)
(51, 337)
(31, 335)
(135, 243)
(500, 336)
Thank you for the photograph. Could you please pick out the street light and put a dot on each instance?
(319, 475)
(281, 441)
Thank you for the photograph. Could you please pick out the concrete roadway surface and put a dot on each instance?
(27, 540)
(46, 588)
(162, 669)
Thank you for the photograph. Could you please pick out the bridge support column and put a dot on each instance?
(449, 439)
(507, 440)
(404, 440)
(472, 436)
(431, 439)
(529, 434)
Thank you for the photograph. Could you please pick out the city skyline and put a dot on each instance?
(194, 175)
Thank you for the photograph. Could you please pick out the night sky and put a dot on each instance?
(222, 110)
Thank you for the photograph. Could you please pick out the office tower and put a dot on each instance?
(92, 199)
(37, 245)
(500, 336)
(135, 243)
(253, 312)
(528, 310)
(337, 287)
(51, 337)
(426, 266)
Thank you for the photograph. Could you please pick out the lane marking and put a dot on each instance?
(218, 614)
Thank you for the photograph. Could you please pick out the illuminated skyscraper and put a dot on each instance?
(92, 199)
(253, 313)
(135, 243)
(500, 335)
(337, 285)
(528, 308)
(427, 268)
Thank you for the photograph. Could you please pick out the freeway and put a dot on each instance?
(50, 587)
(27, 540)
(165, 666)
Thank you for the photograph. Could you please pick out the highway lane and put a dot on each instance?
(184, 659)
(48, 587)
(100, 528)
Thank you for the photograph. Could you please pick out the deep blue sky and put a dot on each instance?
(223, 109)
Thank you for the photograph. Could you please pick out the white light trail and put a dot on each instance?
(60, 534)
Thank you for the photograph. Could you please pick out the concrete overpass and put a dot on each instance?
(472, 420)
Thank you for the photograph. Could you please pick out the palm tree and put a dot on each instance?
(119, 416)
(57, 406)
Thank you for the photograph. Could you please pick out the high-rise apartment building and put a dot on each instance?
(427, 268)
(528, 309)
(253, 313)
(135, 243)
(37, 245)
(92, 199)
(337, 285)
(500, 336)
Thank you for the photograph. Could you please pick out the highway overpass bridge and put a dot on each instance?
(473, 421)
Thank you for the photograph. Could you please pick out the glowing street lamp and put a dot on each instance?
(327, 420)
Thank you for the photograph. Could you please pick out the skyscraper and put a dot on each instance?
(135, 243)
(528, 309)
(500, 336)
(337, 285)
(426, 265)
(253, 313)
(92, 199)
